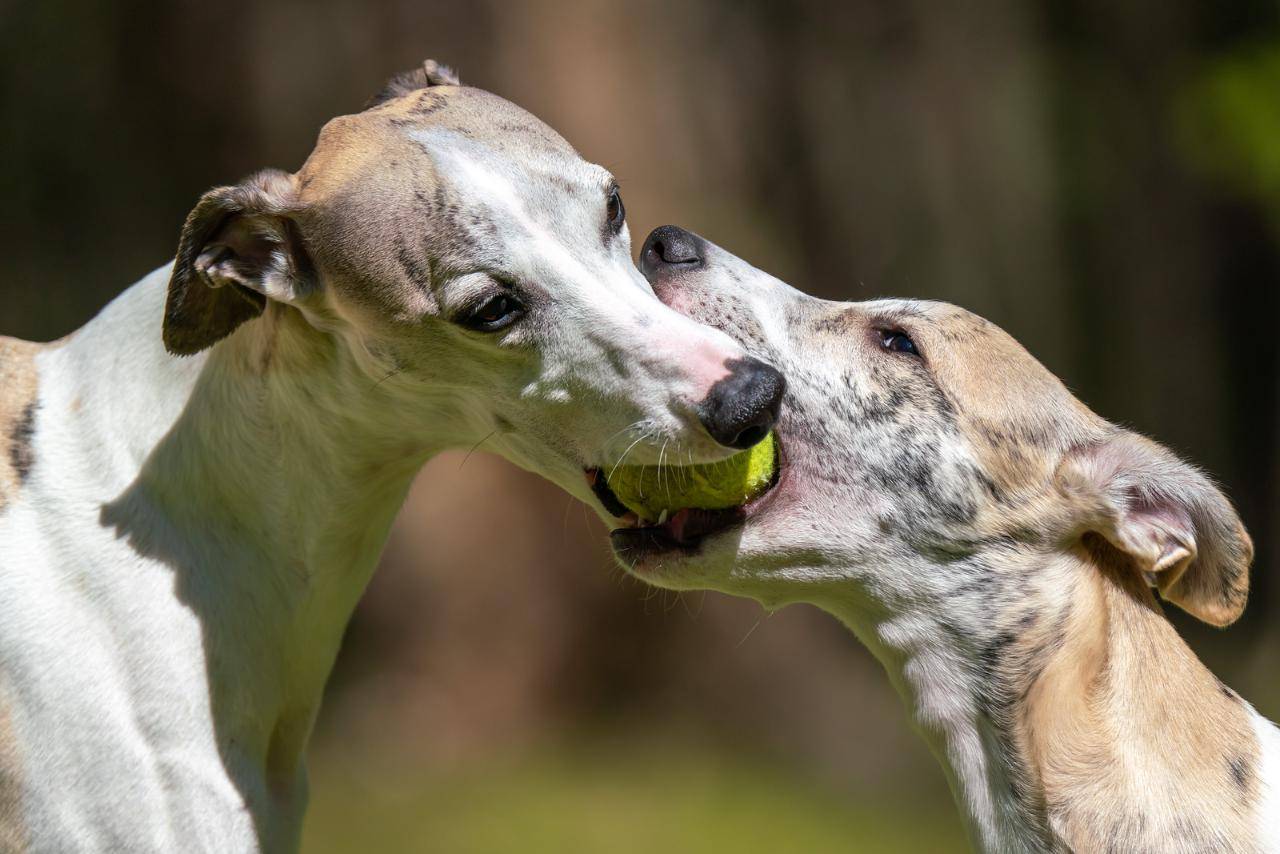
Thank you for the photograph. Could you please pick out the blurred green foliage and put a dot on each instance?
(677, 799)
(1230, 122)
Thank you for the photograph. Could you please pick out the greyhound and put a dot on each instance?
(995, 544)
(195, 487)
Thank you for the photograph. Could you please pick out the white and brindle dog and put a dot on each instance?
(195, 487)
(995, 544)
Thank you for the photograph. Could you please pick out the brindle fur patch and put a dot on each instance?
(963, 463)
(1094, 699)
(17, 415)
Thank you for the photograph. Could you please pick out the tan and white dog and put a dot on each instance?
(995, 544)
(195, 487)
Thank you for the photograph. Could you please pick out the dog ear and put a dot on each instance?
(1172, 523)
(430, 73)
(239, 247)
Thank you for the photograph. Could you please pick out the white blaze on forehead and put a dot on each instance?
(462, 161)
(585, 272)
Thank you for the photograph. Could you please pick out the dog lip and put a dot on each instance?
(684, 531)
(600, 487)
(687, 529)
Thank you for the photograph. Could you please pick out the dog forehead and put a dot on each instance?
(383, 145)
(445, 176)
(993, 377)
(973, 382)
(984, 369)
(1016, 416)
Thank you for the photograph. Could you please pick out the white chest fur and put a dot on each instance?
(156, 611)
(1269, 777)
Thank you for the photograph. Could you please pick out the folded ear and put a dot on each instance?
(430, 73)
(1168, 518)
(240, 247)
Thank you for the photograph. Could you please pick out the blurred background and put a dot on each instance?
(1102, 179)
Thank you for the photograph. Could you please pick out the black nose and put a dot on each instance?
(741, 409)
(670, 246)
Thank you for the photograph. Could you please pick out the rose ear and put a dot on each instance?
(239, 248)
(1168, 519)
(430, 73)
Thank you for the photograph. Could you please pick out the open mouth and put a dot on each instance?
(676, 508)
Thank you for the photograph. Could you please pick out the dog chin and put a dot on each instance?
(696, 549)
(706, 567)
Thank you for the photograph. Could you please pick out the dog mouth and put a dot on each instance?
(681, 530)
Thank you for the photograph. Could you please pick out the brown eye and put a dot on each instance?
(616, 213)
(497, 312)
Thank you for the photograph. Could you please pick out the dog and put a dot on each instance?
(195, 486)
(995, 544)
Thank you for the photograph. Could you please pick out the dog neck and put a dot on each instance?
(1071, 716)
(265, 475)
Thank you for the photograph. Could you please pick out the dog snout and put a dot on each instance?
(670, 247)
(741, 408)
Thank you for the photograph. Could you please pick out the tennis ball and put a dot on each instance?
(649, 490)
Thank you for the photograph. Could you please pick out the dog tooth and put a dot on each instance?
(662, 517)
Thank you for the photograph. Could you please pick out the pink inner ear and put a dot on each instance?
(252, 240)
(1159, 534)
(1171, 521)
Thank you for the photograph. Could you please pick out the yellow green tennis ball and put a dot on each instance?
(649, 490)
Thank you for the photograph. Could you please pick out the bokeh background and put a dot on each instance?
(1102, 179)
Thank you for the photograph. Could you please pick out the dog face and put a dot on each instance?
(928, 458)
(472, 265)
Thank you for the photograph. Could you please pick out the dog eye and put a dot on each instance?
(898, 342)
(615, 211)
(497, 312)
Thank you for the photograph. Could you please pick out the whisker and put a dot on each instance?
(661, 455)
(642, 437)
(474, 447)
(564, 521)
(634, 425)
(750, 632)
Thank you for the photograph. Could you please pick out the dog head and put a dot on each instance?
(927, 457)
(469, 262)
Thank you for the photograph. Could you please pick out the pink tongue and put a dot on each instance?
(675, 524)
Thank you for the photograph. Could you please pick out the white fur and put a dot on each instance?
(83, 618)
(177, 570)
(1269, 776)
